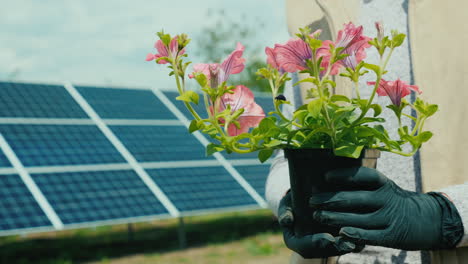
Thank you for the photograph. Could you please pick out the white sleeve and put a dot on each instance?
(459, 197)
(277, 183)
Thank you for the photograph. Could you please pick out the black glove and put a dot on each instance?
(311, 246)
(373, 210)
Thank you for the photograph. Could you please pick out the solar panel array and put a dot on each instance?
(76, 156)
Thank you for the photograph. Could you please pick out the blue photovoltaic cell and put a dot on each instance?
(200, 188)
(46, 145)
(37, 100)
(18, 208)
(4, 162)
(160, 143)
(125, 103)
(79, 197)
(255, 175)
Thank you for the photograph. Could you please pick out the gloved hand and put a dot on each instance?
(311, 246)
(373, 210)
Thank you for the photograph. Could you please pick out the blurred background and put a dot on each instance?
(96, 164)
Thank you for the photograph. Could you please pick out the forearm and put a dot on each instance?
(277, 183)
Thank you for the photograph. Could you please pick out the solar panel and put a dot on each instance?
(18, 209)
(79, 197)
(48, 145)
(201, 188)
(80, 169)
(160, 143)
(125, 103)
(37, 100)
(4, 161)
(255, 175)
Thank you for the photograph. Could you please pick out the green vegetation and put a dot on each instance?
(221, 238)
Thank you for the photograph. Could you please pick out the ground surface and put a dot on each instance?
(246, 238)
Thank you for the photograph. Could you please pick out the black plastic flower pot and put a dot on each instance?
(307, 169)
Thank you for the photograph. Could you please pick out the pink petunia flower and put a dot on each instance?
(356, 53)
(395, 90)
(324, 53)
(353, 41)
(163, 51)
(272, 60)
(242, 98)
(292, 56)
(219, 73)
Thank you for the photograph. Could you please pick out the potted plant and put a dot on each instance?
(330, 131)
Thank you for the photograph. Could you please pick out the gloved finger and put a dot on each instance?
(357, 178)
(355, 201)
(317, 245)
(285, 212)
(363, 236)
(371, 220)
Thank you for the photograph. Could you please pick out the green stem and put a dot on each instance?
(409, 154)
(242, 151)
(376, 86)
(357, 90)
(181, 89)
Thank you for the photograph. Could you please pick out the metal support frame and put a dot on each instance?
(182, 235)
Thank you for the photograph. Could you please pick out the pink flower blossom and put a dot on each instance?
(356, 53)
(292, 56)
(354, 43)
(163, 51)
(242, 98)
(349, 35)
(217, 73)
(395, 90)
(272, 60)
(324, 53)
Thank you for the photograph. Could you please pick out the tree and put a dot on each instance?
(219, 39)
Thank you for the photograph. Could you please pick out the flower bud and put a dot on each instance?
(380, 30)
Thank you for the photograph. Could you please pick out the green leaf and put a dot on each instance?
(213, 148)
(265, 125)
(424, 136)
(274, 143)
(189, 96)
(370, 120)
(351, 151)
(398, 39)
(340, 98)
(431, 109)
(201, 79)
(372, 67)
(265, 154)
(315, 43)
(273, 132)
(377, 109)
(314, 107)
(364, 131)
(193, 126)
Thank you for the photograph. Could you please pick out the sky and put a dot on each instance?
(104, 43)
